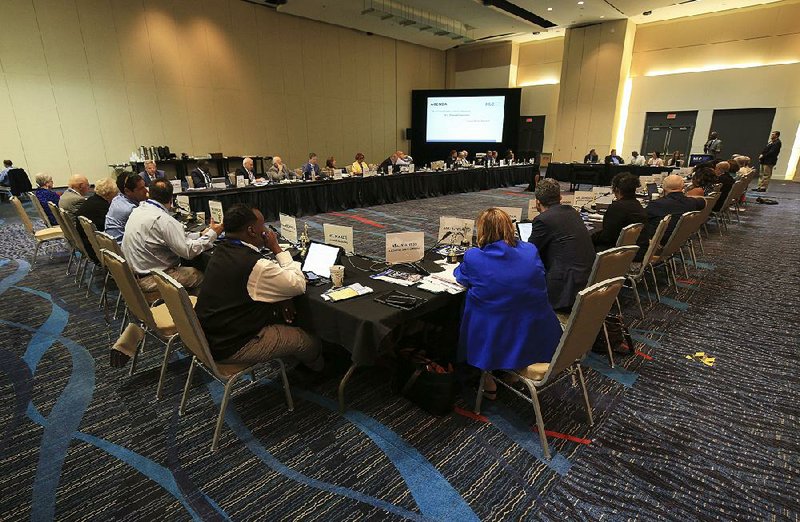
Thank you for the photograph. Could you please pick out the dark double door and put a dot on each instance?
(666, 132)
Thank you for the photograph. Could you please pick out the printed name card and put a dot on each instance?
(532, 211)
(405, 247)
(240, 181)
(583, 198)
(514, 212)
(340, 236)
(288, 227)
(176, 186)
(644, 180)
(183, 202)
(461, 229)
(215, 209)
(568, 199)
(601, 191)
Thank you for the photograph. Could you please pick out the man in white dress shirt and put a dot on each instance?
(153, 239)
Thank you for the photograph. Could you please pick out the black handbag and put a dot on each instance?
(425, 383)
(618, 336)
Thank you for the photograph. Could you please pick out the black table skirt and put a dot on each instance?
(604, 173)
(303, 199)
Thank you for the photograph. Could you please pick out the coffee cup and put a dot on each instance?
(337, 275)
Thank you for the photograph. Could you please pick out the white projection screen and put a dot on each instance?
(465, 119)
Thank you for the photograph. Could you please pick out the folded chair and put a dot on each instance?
(73, 253)
(45, 235)
(638, 273)
(585, 321)
(193, 338)
(155, 320)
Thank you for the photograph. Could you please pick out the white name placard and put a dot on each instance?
(644, 180)
(288, 227)
(601, 191)
(532, 210)
(240, 181)
(583, 198)
(568, 199)
(514, 212)
(405, 247)
(461, 229)
(215, 210)
(176, 186)
(183, 203)
(340, 236)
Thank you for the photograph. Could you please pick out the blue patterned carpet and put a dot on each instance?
(673, 439)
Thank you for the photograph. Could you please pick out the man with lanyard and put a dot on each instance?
(155, 240)
(132, 191)
(245, 305)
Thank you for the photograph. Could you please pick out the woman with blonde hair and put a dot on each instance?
(508, 322)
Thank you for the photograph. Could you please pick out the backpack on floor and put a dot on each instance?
(424, 382)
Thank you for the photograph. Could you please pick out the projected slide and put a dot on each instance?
(465, 119)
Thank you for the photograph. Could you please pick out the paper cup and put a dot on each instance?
(337, 275)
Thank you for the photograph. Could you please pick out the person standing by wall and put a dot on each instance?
(767, 160)
(713, 146)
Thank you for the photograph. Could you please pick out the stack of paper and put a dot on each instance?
(398, 278)
(346, 292)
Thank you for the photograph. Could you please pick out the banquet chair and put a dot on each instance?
(711, 200)
(39, 209)
(610, 264)
(90, 231)
(629, 234)
(154, 319)
(73, 252)
(45, 235)
(587, 316)
(639, 273)
(181, 308)
(109, 243)
(734, 196)
(68, 222)
(680, 235)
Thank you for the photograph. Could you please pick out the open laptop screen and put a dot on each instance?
(320, 258)
(524, 230)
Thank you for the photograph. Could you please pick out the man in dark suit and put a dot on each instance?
(151, 173)
(674, 203)
(591, 157)
(722, 170)
(625, 210)
(201, 176)
(247, 170)
(767, 160)
(564, 245)
(613, 159)
(390, 165)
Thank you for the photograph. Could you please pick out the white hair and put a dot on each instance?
(43, 179)
(105, 188)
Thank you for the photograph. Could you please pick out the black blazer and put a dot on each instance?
(674, 204)
(565, 247)
(198, 179)
(620, 214)
(609, 157)
(386, 164)
(769, 156)
(591, 158)
(727, 183)
(95, 208)
(241, 171)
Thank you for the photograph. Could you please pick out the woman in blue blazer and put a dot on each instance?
(508, 322)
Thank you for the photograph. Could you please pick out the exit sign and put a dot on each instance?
(671, 116)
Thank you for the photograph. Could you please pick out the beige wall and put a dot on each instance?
(85, 82)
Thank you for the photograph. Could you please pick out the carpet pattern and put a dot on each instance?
(673, 439)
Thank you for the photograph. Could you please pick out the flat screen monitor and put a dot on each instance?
(697, 159)
(524, 230)
(320, 258)
(465, 119)
(652, 188)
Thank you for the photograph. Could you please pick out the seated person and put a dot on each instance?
(96, 208)
(655, 159)
(403, 158)
(637, 160)
(487, 159)
(151, 173)
(75, 195)
(7, 165)
(359, 166)
(389, 165)
(702, 180)
(624, 210)
(201, 175)
(311, 169)
(132, 191)
(591, 157)
(330, 167)
(564, 245)
(509, 156)
(451, 159)
(278, 171)
(674, 202)
(153, 239)
(674, 159)
(722, 170)
(495, 160)
(248, 171)
(613, 159)
(505, 281)
(243, 306)
(461, 161)
(44, 193)
(744, 165)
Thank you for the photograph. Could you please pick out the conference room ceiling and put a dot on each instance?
(444, 24)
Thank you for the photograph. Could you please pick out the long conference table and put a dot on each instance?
(316, 197)
(597, 173)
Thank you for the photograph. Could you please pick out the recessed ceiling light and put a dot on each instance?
(602, 16)
(580, 3)
(549, 8)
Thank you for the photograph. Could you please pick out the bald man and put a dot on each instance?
(674, 203)
(72, 198)
(278, 171)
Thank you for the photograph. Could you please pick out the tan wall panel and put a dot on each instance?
(100, 40)
(21, 49)
(62, 44)
(114, 116)
(81, 127)
(133, 40)
(9, 133)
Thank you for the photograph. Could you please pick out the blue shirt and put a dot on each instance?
(4, 176)
(117, 217)
(44, 195)
(307, 168)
